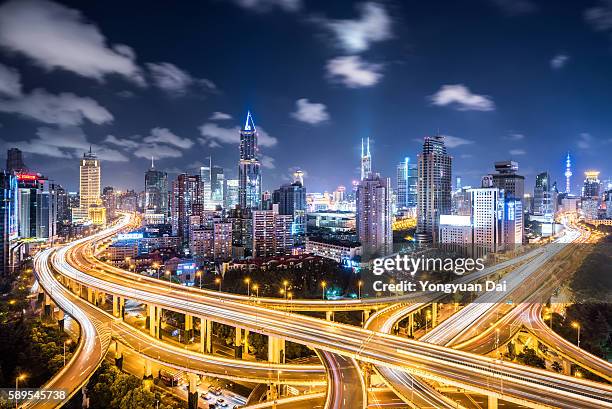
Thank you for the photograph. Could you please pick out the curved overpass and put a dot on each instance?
(520, 384)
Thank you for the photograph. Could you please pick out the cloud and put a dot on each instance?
(62, 109)
(310, 112)
(174, 80)
(67, 143)
(123, 142)
(462, 99)
(559, 61)
(355, 36)
(55, 36)
(10, 82)
(353, 72)
(267, 5)
(600, 17)
(157, 151)
(267, 162)
(515, 136)
(219, 116)
(455, 141)
(466, 156)
(515, 7)
(584, 140)
(517, 152)
(212, 133)
(165, 136)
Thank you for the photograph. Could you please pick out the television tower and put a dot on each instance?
(568, 173)
(366, 159)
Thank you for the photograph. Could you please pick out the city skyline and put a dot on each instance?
(131, 101)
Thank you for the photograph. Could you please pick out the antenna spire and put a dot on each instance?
(152, 162)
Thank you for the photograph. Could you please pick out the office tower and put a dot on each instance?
(222, 243)
(62, 204)
(291, 200)
(407, 178)
(542, 197)
(249, 168)
(488, 219)
(434, 187)
(272, 233)
(156, 190)
(109, 201)
(206, 178)
(568, 173)
(30, 202)
(8, 218)
(608, 199)
(242, 231)
(461, 205)
(266, 201)
(513, 223)
(14, 161)
(186, 202)
(458, 183)
(128, 201)
(507, 179)
(217, 186)
(366, 159)
(374, 216)
(89, 186)
(232, 196)
(298, 176)
(591, 189)
(339, 195)
(202, 242)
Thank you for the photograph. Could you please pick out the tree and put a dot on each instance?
(556, 366)
(529, 357)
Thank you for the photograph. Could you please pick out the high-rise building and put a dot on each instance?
(61, 203)
(156, 190)
(249, 168)
(568, 174)
(232, 196)
(186, 202)
(89, 186)
(14, 161)
(109, 201)
(206, 178)
(434, 186)
(507, 179)
(30, 203)
(272, 233)
(542, 196)
(242, 231)
(217, 186)
(488, 219)
(407, 181)
(222, 243)
(291, 200)
(513, 223)
(8, 217)
(591, 189)
(366, 159)
(608, 199)
(374, 216)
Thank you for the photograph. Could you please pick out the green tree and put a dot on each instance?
(529, 357)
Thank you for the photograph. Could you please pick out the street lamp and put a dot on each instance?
(156, 267)
(218, 281)
(577, 326)
(359, 285)
(323, 284)
(285, 283)
(169, 274)
(427, 317)
(21, 377)
(66, 342)
(247, 281)
(256, 289)
(199, 274)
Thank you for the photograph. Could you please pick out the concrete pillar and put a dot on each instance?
(276, 350)
(102, 299)
(411, 325)
(60, 319)
(192, 401)
(90, 295)
(115, 306)
(492, 402)
(205, 336)
(329, 315)
(188, 327)
(48, 305)
(148, 374)
(155, 321)
(434, 314)
(238, 337)
(366, 315)
(567, 367)
(245, 342)
(118, 355)
(122, 307)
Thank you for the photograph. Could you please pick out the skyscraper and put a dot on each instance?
(14, 161)
(507, 179)
(272, 233)
(186, 202)
(205, 177)
(30, 203)
(542, 196)
(232, 195)
(291, 200)
(249, 168)
(8, 217)
(407, 178)
(488, 207)
(591, 189)
(89, 182)
(366, 159)
(568, 174)
(217, 186)
(374, 216)
(109, 201)
(434, 186)
(156, 190)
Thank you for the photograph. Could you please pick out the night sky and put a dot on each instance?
(525, 80)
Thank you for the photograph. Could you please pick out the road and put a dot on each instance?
(509, 381)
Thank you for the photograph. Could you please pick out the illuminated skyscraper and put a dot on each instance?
(14, 161)
(156, 190)
(507, 179)
(186, 202)
(291, 200)
(205, 177)
(542, 196)
(434, 187)
(568, 173)
(374, 216)
(407, 177)
(217, 186)
(89, 186)
(592, 185)
(249, 168)
(231, 197)
(8, 218)
(366, 159)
